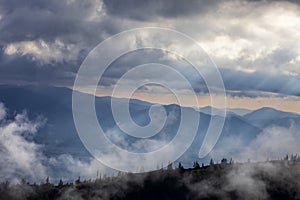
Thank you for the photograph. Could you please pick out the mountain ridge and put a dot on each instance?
(59, 135)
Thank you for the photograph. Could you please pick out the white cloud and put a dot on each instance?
(70, 168)
(249, 35)
(2, 111)
(42, 51)
(243, 181)
(272, 143)
(19, 157)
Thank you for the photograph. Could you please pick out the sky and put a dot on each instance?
(253, 43)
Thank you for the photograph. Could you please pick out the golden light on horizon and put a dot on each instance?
(287, 104)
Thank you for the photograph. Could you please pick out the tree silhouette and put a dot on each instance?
(196, 165)
(180, 166)
(224, 161)
(61, 183)
(78, 181)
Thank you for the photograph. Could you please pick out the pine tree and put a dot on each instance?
(47, 180)
(60, 184)
(78, 181)
(180, 166)
(196, 165)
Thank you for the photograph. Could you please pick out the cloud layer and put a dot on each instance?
(46, 42)
(21, 157)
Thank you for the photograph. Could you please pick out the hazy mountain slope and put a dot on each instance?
(265, 117)
(59, 135)
(236, 111)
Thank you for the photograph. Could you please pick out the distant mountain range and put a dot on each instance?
(59, 135)
(237, 111)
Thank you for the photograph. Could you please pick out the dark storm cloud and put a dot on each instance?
(136, 58)
(146, 56)
(148, 9)
(24, 70)
(29, 20)
(83, 24)
(237, 83)
(77, 25)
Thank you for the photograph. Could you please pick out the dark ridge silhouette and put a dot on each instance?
(276, 179)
